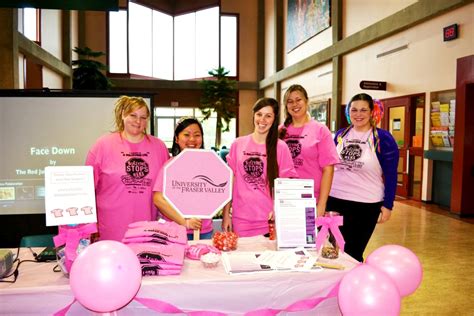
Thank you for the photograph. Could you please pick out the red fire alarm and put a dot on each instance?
(450, 32)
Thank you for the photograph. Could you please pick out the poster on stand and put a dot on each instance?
(295, 213)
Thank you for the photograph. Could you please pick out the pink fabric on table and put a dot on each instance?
(124, 174)
(172, 253)
(153, 239)
(312, 148)
(206, 224)
(167, 230)
(251, 199)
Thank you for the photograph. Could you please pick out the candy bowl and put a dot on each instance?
(210, 260)
(225, 241)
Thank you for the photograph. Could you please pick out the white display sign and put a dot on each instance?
(69, 195)
(295, 213)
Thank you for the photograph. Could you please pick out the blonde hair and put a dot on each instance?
(126, 105)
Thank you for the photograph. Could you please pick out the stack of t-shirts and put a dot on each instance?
(160, 246)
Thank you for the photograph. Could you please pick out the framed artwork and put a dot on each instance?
(319, 110)
(305, 19)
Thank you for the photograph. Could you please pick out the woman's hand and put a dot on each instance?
(226, 223)
(384, 216)
(193, 223)
(321, 208)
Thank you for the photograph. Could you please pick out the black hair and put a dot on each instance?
(182, 124)
(288, 117)
(271, 140)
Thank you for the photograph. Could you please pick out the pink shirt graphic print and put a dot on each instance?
(251, 199)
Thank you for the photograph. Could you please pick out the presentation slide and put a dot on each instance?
(46, 130)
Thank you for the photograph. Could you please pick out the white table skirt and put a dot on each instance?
(40, 291)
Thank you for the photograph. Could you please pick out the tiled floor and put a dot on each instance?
(445, 246)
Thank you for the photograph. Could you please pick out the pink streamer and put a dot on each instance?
(329, 223)
(163, 307)
(64, 310)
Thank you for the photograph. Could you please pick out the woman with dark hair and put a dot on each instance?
(187, 134)
(256, 160)
(365, 181)
(310, 143)
(126, 163)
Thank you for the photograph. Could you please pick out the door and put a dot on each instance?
(404, 120)
(397, 116)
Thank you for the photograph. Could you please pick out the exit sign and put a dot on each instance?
(450, 32)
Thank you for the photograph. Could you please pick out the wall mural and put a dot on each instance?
(305, 19)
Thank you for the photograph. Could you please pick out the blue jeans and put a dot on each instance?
(201, 236)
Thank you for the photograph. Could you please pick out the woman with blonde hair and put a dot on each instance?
(126, 163)
(311, 145)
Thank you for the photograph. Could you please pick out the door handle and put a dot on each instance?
(408, 162)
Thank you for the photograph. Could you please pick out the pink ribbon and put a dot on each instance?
(329, 224)
(71, 235)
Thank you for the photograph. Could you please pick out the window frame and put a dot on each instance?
(128, 74)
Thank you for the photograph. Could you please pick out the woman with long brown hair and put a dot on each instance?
(257, 160)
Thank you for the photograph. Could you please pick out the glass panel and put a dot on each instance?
(417, 174)
(162, 46)
(165, 130)
(207, 41)
(164, 111)
(140, 40)
(400, 171)
(397, 124)
(229, 44)
(184, 46)
(418, 137)
(166, 119)
(209, 127)
(118, 42)
(228, 137)
(184, 112)
(30, 24)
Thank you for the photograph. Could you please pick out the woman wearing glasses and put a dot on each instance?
(364, 184)
(126, 163)
(310, 143)
(187, 134)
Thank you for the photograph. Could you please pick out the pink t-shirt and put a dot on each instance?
(251, 199)
(124, 174)
(312, 148)
(206, 224)
(359, 175)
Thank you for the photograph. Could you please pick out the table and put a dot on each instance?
(40, 291)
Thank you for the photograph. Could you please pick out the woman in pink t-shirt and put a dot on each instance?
(187, 134)
(256, 160)
(126, 163)
(311, 145)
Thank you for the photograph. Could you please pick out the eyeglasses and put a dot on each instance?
(361, 111)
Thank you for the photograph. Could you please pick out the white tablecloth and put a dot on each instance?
(40, 291)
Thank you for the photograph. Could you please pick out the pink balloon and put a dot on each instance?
(401, 264)
(105, 276)
(367, 291)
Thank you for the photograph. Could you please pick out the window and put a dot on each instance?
(161, 46)
(166, 119)
(30, 25)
